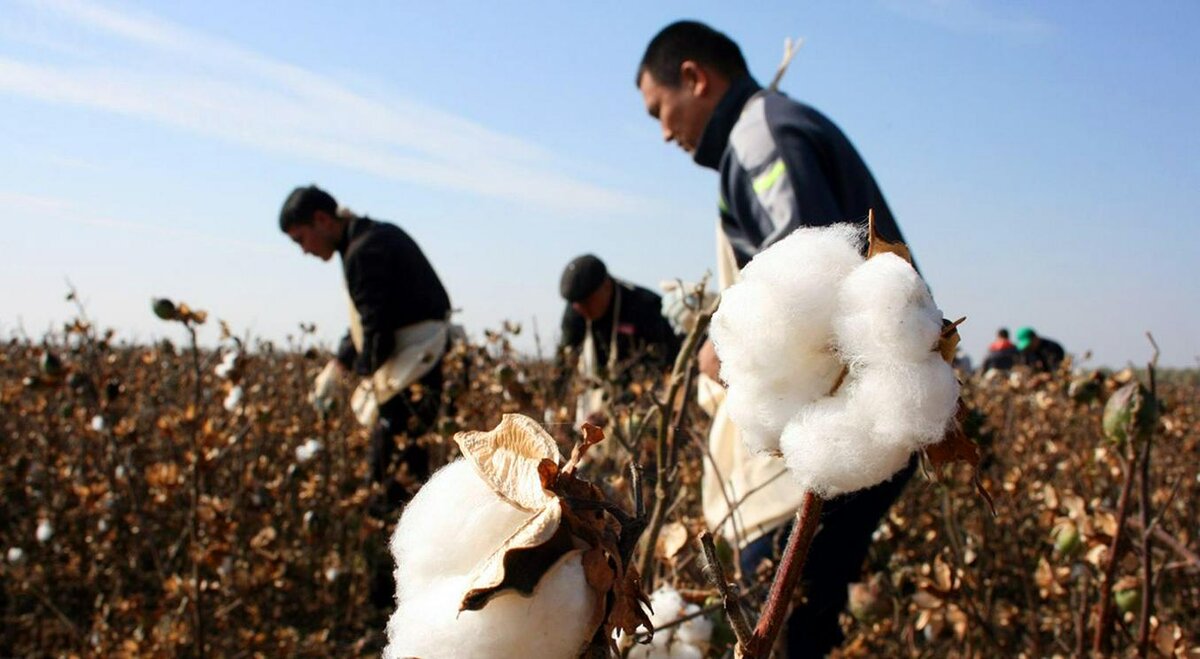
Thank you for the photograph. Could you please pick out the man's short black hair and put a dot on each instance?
(299, 206)
(690, 40)
(1003, 333)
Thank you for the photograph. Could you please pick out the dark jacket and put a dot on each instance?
(1045, 356)
(1002, 359)
(641, 329)
(784, 165)
(392, 285)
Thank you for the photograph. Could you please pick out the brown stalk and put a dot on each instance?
(791, 567)
(194, 422)
(680, 375)
(729, 599)
(1147, 568)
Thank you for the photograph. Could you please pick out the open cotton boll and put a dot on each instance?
(886, 313)
(552, 623)
(786, 299)
(829, 449)
(698, 630)
(762, 405)
(910, 404)
(432, 539)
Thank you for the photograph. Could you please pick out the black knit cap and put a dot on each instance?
(582, 277)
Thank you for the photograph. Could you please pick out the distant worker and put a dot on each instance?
(1038, 353)
(398, 335)
(610, 329)
(1001, 355)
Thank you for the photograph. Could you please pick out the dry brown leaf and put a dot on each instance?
(507, 457)
(876, 244)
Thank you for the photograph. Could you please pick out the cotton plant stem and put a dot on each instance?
(684, 362)
(729, 599)
(1147, 611)
(791, 567)
(198, 602)
(1104, 609)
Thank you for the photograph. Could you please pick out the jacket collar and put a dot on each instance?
(351, 221)
(715, 137)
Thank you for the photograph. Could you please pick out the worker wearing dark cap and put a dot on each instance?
(611, 327)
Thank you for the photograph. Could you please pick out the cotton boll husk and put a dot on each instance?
(909, 405)
(829, 449)
(552, 623)
(452, 524)
(886, 313)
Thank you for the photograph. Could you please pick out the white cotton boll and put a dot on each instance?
(666, 606)
(761, 405)
(98, 423)
(786, 300)
(886, 313)
(552, 623)
(698, 630)
(16, 555)
(308, 450)
(45, 531)
(685, 651)
(429, 542)
(233, 399)
(830, 451)
(908, 405)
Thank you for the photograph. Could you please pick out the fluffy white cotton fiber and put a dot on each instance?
(774, 329)
(683, 641)
(803, 308)
(885, 313)
(450, 526)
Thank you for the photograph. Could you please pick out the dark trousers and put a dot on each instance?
(398, 463)
(834, 561)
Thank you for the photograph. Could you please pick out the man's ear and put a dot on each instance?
(325, 220)
(694, 77)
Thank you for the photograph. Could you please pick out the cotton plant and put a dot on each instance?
(839, 365)
(684, 640)
(308, 450)
(505, 553)
(233, 399)
(832, 360)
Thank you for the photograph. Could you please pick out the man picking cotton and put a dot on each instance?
(783, 165)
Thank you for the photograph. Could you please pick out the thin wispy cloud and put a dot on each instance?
(973, 16)
(24, 207)
(193, 82)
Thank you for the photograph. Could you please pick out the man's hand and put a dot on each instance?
(710, 364)
(325, 384)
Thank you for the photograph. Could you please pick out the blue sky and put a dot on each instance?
(1040, 157)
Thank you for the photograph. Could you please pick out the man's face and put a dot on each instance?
(682, 111)
(319, 237)
(594, 306)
